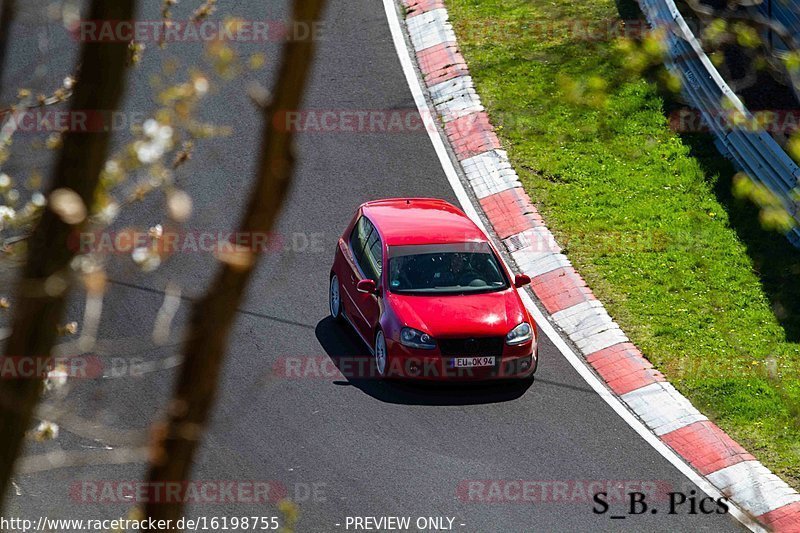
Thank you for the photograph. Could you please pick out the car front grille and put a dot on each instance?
(472, 346)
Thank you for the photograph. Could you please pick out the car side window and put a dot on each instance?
(357, 240)
(374, 256)
(367, 249)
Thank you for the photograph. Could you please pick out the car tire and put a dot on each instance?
(335, 298)
(535, 361)
(528, 380)
(381, 355)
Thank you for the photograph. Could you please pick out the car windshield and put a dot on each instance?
(445, 269)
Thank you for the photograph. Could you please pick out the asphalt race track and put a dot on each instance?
(340, 448)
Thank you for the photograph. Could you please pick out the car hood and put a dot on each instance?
(474, 315)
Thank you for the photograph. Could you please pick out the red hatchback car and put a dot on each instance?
(428, 293)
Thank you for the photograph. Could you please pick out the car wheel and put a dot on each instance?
(381, 354)
(528, 380)
(335, 298)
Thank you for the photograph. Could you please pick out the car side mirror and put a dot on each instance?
(520, 280)
(367, 286)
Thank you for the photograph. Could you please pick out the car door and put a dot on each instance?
(363, 312)
(372, 268)
(354, 255)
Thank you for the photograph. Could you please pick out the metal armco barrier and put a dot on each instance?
(753, 151)
(784, 12)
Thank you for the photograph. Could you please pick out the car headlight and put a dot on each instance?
(413, 338)
(520, 334)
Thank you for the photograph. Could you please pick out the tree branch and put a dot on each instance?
(7, 13)
(176, 440)
(42, 290)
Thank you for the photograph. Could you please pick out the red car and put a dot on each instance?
(428, 293)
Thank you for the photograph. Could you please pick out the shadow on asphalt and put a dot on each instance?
(344, 346)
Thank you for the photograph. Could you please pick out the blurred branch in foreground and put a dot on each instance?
(7, 12)
(176, 440)
(45, 281)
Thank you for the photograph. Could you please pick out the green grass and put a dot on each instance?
(646, 216)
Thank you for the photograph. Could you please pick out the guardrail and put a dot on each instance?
(785, 15)
(784, 12)
(753, 151)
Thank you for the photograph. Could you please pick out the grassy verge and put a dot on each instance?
(646, 216)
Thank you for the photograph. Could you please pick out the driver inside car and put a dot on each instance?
(449, 277)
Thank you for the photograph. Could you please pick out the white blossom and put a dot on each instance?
(38, 199)
(46, 431)
(108, 212)
(147, 259)
(56, 377)
(164, 135)
(179, 205)
(112, 166)
(201, 85)
(7, 214)
(150, 127)
(159, 140)
(148, 152)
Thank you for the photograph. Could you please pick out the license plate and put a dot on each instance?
(473, 362)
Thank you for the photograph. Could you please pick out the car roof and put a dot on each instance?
(415, 221)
